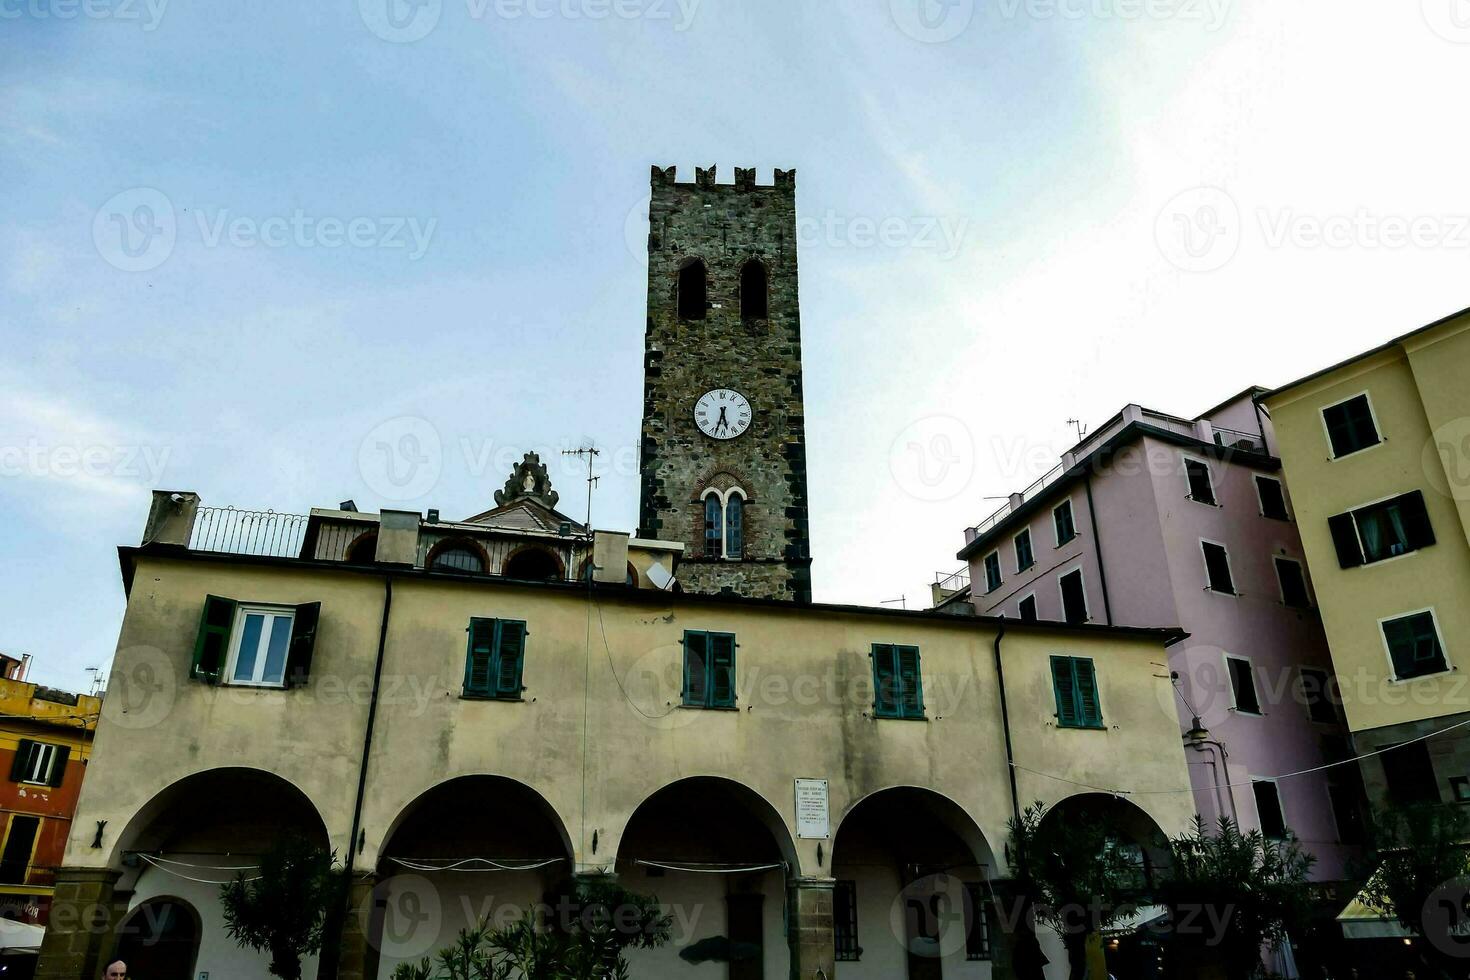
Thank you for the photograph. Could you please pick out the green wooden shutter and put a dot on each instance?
(58, 765)
(1089, 711)
(510, 655)
(22, 763)
(213, 641)
(303, 643)
(1345, 540)
(1416, 520)
(885, 681)
(696, 668)
(722, 670)
(910, 683)
(479, 656)
(1066, 690)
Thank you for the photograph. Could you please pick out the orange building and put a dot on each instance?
(45, 741)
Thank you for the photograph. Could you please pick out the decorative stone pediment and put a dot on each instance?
(528, 481)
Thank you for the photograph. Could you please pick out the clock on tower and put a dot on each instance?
(723, 456)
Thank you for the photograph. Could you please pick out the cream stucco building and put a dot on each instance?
(1377, 452)
(338, 691)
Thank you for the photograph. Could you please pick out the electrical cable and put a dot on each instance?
(197, 881)
(1286, 775)
(426, 864)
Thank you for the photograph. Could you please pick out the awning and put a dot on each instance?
(1361, 922)
(20, 938)
(1142, 917)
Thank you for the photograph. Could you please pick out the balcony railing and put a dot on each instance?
(1235, 439)
(954, 581)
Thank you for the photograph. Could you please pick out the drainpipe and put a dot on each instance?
(1102, 570)
(1198, 744)
(331, 950)
(1028, 948)
(1005, 720)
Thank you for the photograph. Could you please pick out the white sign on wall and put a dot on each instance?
(811, 809)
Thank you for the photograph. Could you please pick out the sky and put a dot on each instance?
(254, 250)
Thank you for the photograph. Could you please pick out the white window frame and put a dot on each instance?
(724, 499)
(999, 571)
(1261, 502)
(1327, 433)
(1062, 596)
(45, 761)
(1352, 512)
(1073, 512)
(1032, 596)
(1209, 586)
(1026, 533)
(237, 635)
(1449, 663)
(1281, 586)
(1185, 460)
(1280, 806)
(1230, 679)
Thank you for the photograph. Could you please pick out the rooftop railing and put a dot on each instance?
(954, 581)
(248, 532)
(1224, 437)
(269, 534)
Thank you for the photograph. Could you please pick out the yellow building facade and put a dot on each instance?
(1376, 451)
(786, 803)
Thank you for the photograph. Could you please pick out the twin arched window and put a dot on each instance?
(693, 293)
(724, 524)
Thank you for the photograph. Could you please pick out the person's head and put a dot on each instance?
(116, 970)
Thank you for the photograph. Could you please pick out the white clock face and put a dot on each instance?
(722, 413)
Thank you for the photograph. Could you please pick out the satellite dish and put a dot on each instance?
(660, 577)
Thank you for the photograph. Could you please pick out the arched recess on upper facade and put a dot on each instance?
(691, 292)
(755, 290)
(457, 554)
(363, 550)
(240, 810)
(534, 563)
(759, 834)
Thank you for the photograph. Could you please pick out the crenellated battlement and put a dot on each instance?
(707, 177)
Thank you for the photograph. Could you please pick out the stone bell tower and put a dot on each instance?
(723, 456)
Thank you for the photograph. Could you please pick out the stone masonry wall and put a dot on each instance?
(726, 225)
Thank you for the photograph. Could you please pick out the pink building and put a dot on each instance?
(1154, 520)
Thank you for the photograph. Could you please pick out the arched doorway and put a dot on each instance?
(159, 940)
(476, 848)
(1073, 831)
(187, 841)
(717, 853)
(914, 896)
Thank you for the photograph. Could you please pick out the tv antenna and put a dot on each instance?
(1080, 426)
(590, 453)
(96, 673)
